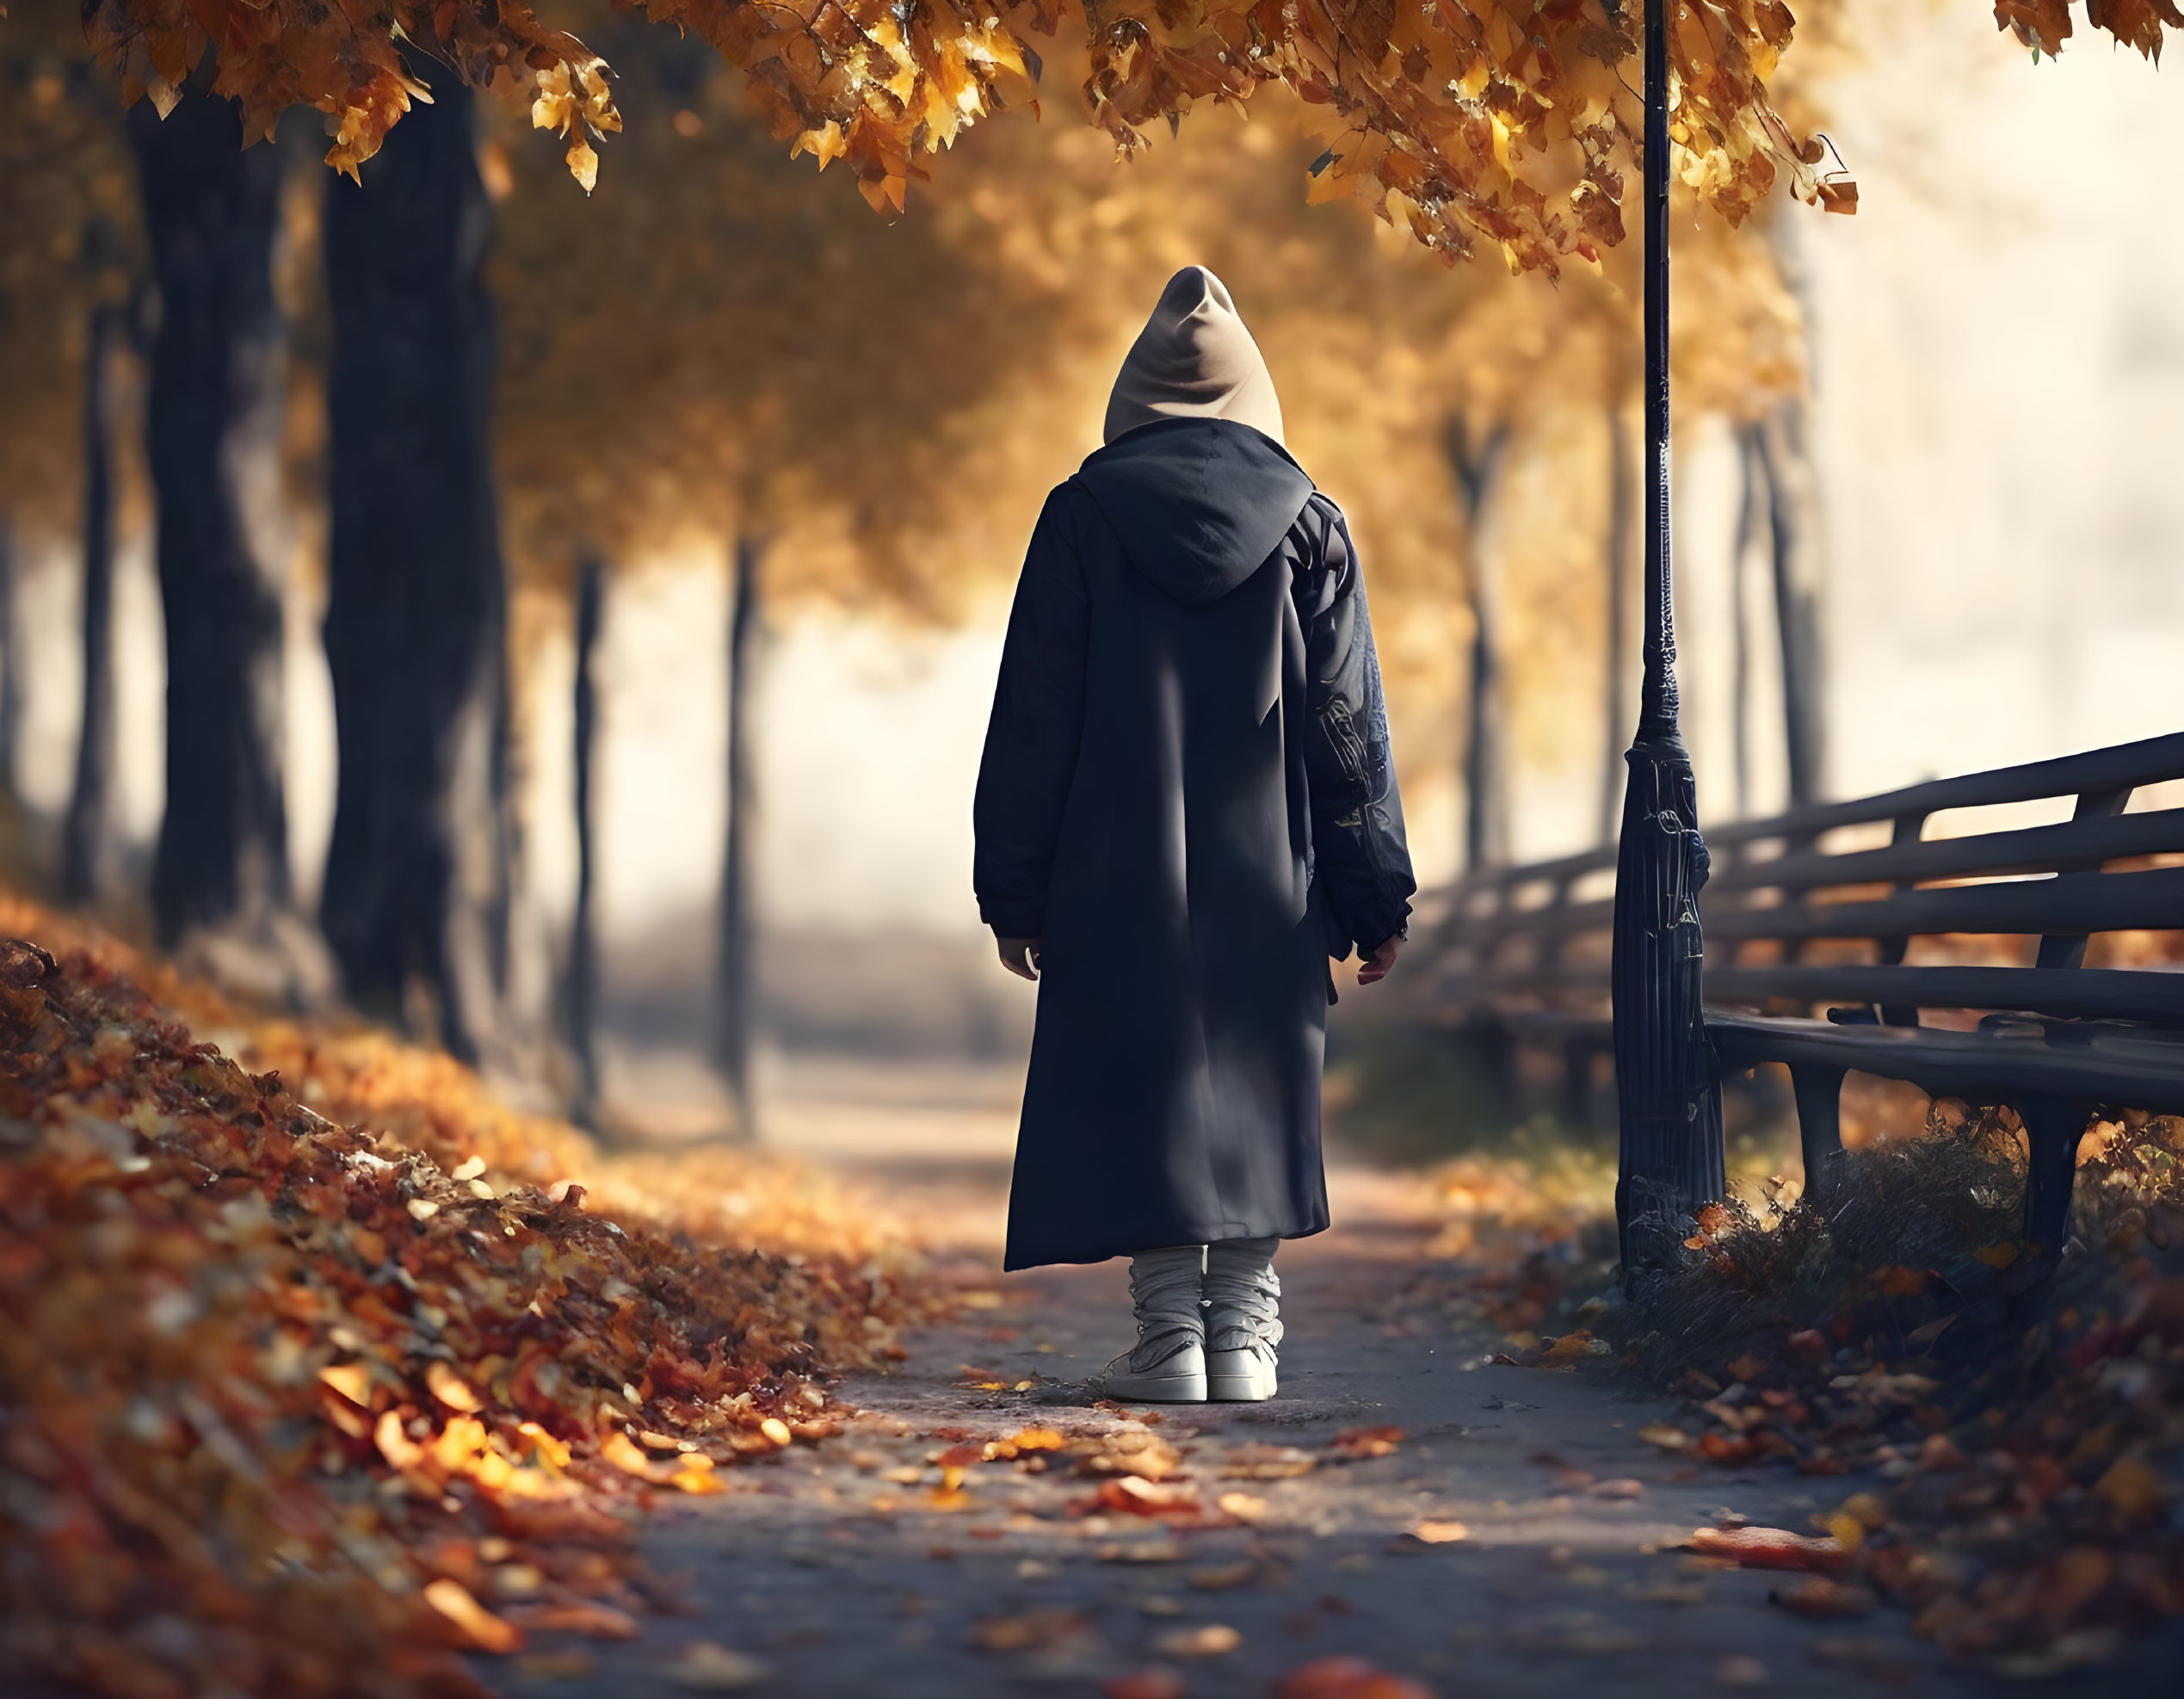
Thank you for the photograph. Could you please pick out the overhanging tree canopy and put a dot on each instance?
(1511, 122)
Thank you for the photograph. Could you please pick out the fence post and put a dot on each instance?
(1671, 1156)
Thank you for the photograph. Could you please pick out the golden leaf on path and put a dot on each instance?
(1821, 1596)
(1030, 1439)
(545, 1445)
(484, 1630)
(1362, 1443)
(1439, 1533)
(353, 1380)
(1571, 1350)
(1208, 1640)
(1243, 1506)
(1128, 1454)
(1344, 1677)
(1029, 1631)
(707, 1667)
(2074, 1581)
(1867, 1508)
(1266, 1462)
(1844, 1529)
(1156, 1681)
(695, 1476)
(1748, 1366)
(1665, 1435)
(394, 1445)
(1135, 1496)
(1769, 1548)
(623, 1452)
(580, 1617)
(450, 1388)
(2131, 1489)
(777, 1431)
(1139, 1551)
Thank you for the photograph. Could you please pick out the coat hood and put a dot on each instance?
(1193, 360)
(1198, 504)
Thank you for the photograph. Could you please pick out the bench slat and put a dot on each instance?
(2122, 1068)
(2150, 900)
(2070, 902)
(2069, 845)
(2121, 767)
(2081, 993)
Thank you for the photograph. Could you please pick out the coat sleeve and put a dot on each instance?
(1361, 857)
(1032, 739)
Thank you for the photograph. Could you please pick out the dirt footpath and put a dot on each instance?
(1514, 1537)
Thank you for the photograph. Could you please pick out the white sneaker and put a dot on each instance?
(1179, 1379)
(1243, 1320)
(1167, 1364)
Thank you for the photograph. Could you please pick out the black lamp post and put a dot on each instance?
(1671, 1158)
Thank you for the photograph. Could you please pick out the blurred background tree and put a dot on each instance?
(68, 277)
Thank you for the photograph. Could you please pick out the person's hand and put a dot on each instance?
(1375, 966)
(1020, 956)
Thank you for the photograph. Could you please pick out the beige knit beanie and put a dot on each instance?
(1193, 360)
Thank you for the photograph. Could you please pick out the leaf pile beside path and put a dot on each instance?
(423, 1100)
(2024, 1419)
(290, 1407)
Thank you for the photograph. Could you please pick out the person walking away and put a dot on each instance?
(1186, 811)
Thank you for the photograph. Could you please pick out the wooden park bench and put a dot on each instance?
(1795, 924)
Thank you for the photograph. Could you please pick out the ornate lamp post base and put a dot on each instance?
(1671, 1156)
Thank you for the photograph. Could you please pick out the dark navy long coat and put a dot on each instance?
(1187, 796)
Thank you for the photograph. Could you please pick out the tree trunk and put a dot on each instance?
(214, 417)
(10, 669)
(1622, 539)
(584, 950)
(417, 873)
(1751, 522)
(1794, 520)
(733, 1023)
(83, 836)
(1476, 466)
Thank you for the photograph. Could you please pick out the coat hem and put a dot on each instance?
(1012, 1263)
